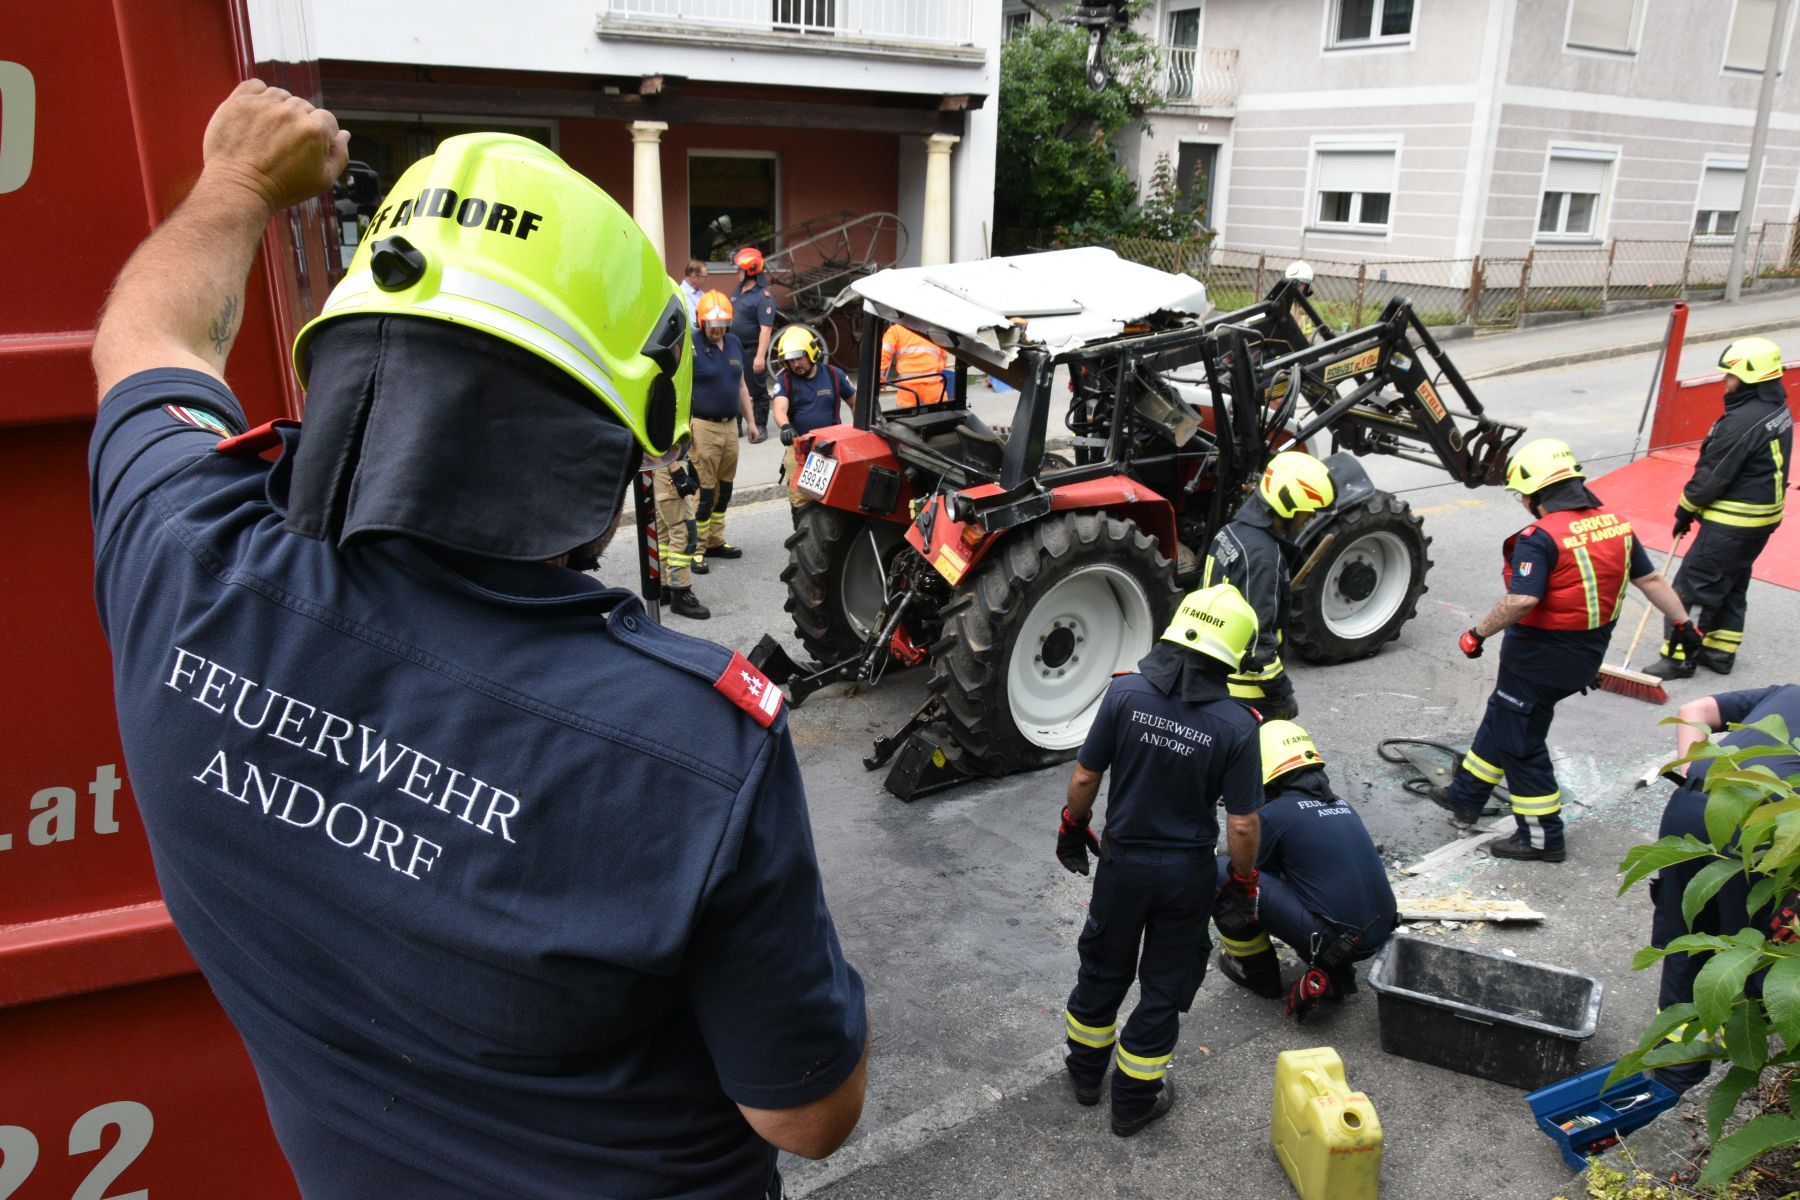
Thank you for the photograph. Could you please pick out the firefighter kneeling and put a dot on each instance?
(1565, 583)
(1323, 888)
(1177, 744)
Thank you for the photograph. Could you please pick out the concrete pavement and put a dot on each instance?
(1485, 356)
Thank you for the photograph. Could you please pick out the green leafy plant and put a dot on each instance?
(1753, 831)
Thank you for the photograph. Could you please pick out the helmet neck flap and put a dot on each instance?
(417, 428)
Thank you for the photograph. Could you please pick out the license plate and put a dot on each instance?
(815, 476)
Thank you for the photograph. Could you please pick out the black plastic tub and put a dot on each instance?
(1482, 1013)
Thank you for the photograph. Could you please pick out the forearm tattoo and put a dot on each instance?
(224, 326)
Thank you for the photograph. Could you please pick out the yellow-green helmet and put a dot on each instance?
(1296, 482)
(1215, 621)
(497, 233)
(1286, 747)
(1538, 464)
(1752, 359)
(797, 341)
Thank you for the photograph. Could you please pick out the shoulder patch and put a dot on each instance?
(199, 418)
(750, 690)
(1528, 531)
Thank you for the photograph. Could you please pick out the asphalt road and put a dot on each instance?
(963, 925)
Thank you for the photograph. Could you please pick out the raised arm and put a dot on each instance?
(179, 301)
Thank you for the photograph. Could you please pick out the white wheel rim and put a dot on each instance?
(1349, 617)
(1094, 622)
(863, 581)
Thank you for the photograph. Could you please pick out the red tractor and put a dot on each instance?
(1027, 578)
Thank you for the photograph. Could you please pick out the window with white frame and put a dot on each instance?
(1747, 45)
(1360, 22)
(1182, 52)
(1603, 24)
(1721, 199)
(1574, 183)
(1014, 22)
(1354, 188)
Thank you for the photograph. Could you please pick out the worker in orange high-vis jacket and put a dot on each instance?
(914, 366)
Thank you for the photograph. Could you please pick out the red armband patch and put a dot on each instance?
(266, 436)
(750, 690)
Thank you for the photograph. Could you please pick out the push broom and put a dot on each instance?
(1622, 680)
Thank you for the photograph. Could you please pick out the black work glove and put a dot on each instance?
(787, 435)
(1684, 520)
(1689, 637)
(1471, 643)
(1236, 910)
(1073, 841)
(683, 477)
(1313, 986)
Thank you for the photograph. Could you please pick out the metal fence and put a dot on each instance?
(1490, 290)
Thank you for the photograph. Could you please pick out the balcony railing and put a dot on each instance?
(902, 22)
(1198, 75)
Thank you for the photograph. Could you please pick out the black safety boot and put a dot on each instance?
(1671, 668)
(1519, 848)
(1165, 1100)
(726, 550)
(1260, 973)
(698, 566)
(1085, 1095)
(685, 604)
(1719, 662)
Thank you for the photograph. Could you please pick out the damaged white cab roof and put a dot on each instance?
(1059, 300)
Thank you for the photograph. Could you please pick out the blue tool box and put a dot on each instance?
(1595, 1116)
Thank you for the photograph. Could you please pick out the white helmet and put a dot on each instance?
(1299, 269)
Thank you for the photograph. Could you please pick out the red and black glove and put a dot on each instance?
(1684, 518)
(1313, 986)
(1073, 841)
(1470, 643)
(1236, 909)
(1689, 638)
(1784, 926)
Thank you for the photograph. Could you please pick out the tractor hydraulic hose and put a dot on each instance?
(879, 647)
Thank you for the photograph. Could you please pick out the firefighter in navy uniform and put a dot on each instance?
(1249, 553)
(1177, 745)
(809, 393)
(1324, 890)
(1685, 814)
(753, 323)
(721, 403)
(1565, 576)
(1737, 493)
(487, 923)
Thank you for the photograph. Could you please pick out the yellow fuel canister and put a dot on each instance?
(1327, 1137)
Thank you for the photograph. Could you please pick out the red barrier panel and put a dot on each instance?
(120, 1075)
(1686, 408)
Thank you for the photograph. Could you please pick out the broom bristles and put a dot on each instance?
(1634, 685)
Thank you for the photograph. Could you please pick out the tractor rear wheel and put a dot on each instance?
(1367, 586)
(837, 578)
(1038, 632)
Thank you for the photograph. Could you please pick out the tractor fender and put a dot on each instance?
(1353, 486)
(868, 480)
(1124, 497)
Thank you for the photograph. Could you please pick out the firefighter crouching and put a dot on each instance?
(1565, 577)
(1248, 553)
(1177, 744)
(1323, 889)
(1737, 493)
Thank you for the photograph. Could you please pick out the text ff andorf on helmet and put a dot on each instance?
(797, 341)
(1538, 464)
(1286, 747)
(495, 232)
(1296, 482)
(714, 307)
(1216, 621)
(1752, 360)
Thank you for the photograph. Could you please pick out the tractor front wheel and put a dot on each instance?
(1366, 587)
(1038, 632)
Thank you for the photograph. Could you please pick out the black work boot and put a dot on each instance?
(1085, 1095)
(1671, 668)
(1165, 1100)
(698, 566)
(1719, 662)
(726, 550)
(1260, 973)
(685, 604)
(1519, 848)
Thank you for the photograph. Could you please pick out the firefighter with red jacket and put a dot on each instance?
(1737, 492)
(1565, 579)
